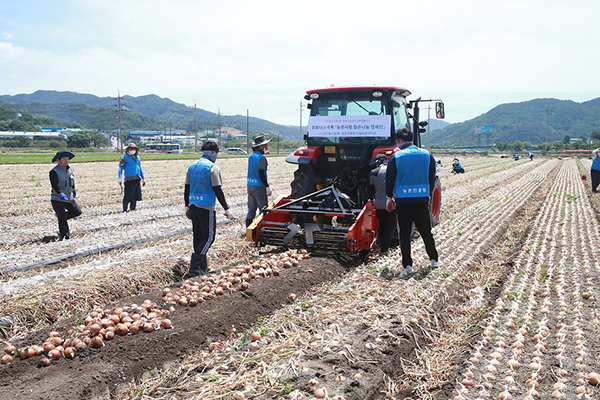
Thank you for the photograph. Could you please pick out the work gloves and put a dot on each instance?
(390, 205)
(229, 214)
(269, 191)
(64, 197)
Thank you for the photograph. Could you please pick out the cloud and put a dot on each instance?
(262, 56)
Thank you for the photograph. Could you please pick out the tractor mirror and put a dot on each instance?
(439, 110)
(423, 124)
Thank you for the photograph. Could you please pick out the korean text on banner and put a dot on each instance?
(350, 126)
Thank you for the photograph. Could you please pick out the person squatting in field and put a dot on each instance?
(258, 187)
(63, 192)
(202, 189)
(595, 171)
(376, 190)
(131, 167)
(410, 178)
(457, 167)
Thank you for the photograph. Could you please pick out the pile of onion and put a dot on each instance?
(99, 326)
(233, 280)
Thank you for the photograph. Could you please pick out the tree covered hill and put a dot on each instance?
(149, 112)
(525, 121)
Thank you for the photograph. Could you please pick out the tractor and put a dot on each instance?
(328, 208)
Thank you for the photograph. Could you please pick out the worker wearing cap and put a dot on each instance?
(410, 177)
(595, 171)
(258, 187)
(131, 167)
(376, 190)
(457, 167)
(63, 192)
(202, 189)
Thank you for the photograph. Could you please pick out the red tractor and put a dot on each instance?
(328, 207)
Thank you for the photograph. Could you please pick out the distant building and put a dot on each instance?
(143, 135)
(33, 135)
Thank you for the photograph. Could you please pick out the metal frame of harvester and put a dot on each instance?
(328, 209)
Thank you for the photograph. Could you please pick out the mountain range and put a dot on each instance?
(149, 112)
(535, 121)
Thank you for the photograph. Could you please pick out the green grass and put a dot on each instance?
(80, 157)
(46, 158)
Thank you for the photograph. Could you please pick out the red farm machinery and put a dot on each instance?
(328, 208)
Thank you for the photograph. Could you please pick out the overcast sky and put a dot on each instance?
(263, 55)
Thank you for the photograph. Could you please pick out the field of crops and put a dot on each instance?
(511, 313)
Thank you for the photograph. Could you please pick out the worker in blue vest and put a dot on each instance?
(595, 171)
(131, 167)
(258, 186)
(202, 189)
(410, 177)
(63, 192)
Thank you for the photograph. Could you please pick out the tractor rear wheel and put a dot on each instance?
(305, 179)
(435, 204)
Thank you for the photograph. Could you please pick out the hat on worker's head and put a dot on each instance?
(61, 154)
(380, 159)
(132, 146)
(259, 141)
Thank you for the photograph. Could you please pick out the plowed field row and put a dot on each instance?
(365, 331)
(529, 223)
(540, 339)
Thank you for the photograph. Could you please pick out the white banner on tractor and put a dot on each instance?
(350, 126)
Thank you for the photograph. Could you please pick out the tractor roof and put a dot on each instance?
(405, 92)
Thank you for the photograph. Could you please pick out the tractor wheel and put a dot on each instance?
(435, 205)
(305, 180)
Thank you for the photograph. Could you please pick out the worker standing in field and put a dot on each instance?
(202, 189)
(595, 171)
(258, 186)
(131, 167)
(63, 192)
(410, 177)
(376, 190)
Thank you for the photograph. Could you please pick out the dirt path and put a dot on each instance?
(100, 373)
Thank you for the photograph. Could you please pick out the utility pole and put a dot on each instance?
(428, 122)
(301, 120)
(547, 116)
(247, 129)
(219, 122)
(119, 108)
(195, 129)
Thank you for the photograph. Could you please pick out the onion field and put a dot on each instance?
(511, 313)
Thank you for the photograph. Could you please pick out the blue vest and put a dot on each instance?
(201, 190)
(253, 177)
(412, 172)
(132, 167)
(596, 162)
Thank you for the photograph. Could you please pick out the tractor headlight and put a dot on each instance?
(377, 94)
(314, 96)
